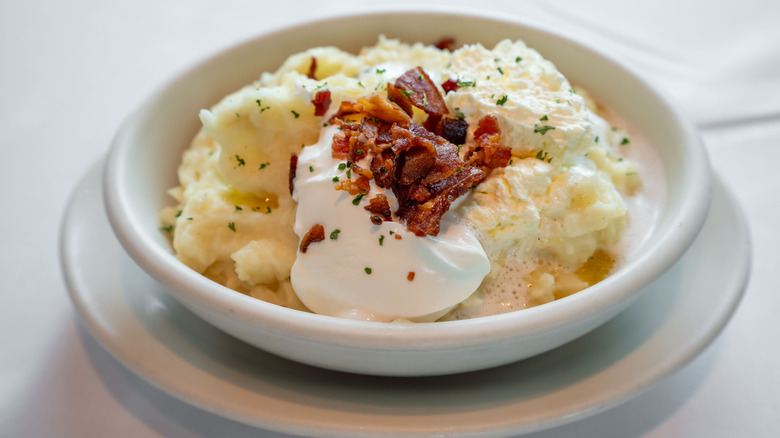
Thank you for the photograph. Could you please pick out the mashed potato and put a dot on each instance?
(548, 222)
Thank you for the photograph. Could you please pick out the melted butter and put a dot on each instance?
(596, 268)
(252, 201)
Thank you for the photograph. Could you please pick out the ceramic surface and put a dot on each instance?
(138, 322)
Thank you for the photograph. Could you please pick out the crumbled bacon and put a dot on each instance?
(410, 276)
(315, 234)
(356, 187)
(321, 102)
(446, 44)
(382, 167)
(420, 164)
(380, 207)
(488, 152)
(415, 88)
(453, 130)
(312, 68)
(449, 85)
(293, 170)
(423, 218)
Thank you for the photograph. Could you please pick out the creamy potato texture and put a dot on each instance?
(548, 221)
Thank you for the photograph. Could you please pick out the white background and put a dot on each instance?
(71, 71)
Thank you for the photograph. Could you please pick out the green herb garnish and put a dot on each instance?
(542, 129)
(357, 199)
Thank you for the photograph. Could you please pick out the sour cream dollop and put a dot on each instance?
(375, 272)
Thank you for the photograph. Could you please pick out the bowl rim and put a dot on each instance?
(197, 290)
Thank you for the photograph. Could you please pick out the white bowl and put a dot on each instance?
(143, 159)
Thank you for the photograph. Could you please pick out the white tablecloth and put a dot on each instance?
(71, 71)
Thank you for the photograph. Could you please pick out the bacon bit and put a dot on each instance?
(487, 125)
(415, 165)
(410, 276)
(293, 171)
(488, 152)
(423, 218)
(361, 185)
(341, 147)
(416, 88)
(453, 130)
(382, 167)
(315, 234)
(380, 207)
(446, 44)
(376, 220)
(312, 68)
(321, 102)
(450, 85)
(398, 236)
(361, 171)
(394, 95)
(380, 108)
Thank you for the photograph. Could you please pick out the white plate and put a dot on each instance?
(133, 318)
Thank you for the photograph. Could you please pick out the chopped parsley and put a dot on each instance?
(360, 84)
(542, 129)
(311, 169)
(232, 226)
(518, 59)
(336, 179)
(596, 140)
(368, 270)
(625, 141)
(260, 104)
(240, 160)
(499, 70)
(295, 114)
(167, 229)
(264, 165)
(467, 84)
(381, 240)
(544, 118)
(357, 199)
(380, 70)
(542, 155)
(349, 173)
(630, 173)
(405, 93)
(334, 235)
(502, 100)
(178, 213)
(238, 208)
(267, 209)
(342, 166)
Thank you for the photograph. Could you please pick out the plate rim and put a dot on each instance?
(88, 192)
